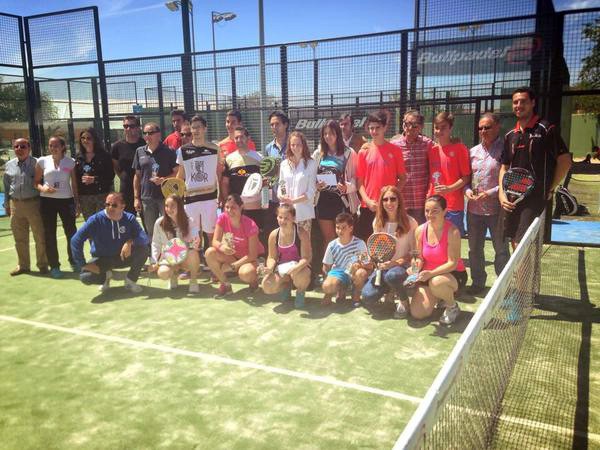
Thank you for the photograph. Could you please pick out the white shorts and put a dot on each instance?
(204, 213)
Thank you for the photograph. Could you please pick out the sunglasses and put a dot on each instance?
(112, 205)
(186, 134)
(390, 199)
(484, 128)
(127, 126)
(21, 146)
(412, 124)
(150, 133)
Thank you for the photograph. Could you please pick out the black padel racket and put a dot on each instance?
(517, 184)
(381, 247)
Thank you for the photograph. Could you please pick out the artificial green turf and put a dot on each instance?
(542, 399)
(60, 390)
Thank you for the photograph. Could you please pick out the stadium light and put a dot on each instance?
(217, 17)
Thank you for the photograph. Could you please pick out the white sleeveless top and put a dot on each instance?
(58, 178)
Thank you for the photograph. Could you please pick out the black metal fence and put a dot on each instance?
(466, 68)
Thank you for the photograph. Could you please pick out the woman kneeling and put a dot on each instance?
(235, 247)
(167, 252)
(441, 270)
(288, 260)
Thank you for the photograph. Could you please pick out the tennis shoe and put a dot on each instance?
(401, 312)
(194, 288)
(223, 290)
(450, 315)
(132, 286)
(173, 283)
(106, 285)
(56, 273)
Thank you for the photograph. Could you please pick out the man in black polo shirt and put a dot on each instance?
(153, 163)
(537, 146)
(122, 153)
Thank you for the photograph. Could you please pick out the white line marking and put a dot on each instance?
(217, 359)
(548, 427)
(31, 244)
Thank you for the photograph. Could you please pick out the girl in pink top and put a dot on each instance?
(441, 270)
(235, 247)
(288, 263)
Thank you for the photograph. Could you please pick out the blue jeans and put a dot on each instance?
(477, 226)
(390, 279)
(458, 219)
(152, 209)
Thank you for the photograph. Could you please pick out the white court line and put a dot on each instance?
(217, 359)
(31, 244)
(548, 427)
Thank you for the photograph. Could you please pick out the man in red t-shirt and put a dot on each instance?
(173, 141)
(233, 120)
(379, 164)
(449, 169)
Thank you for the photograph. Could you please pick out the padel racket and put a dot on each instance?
(269, 170)
(517, 184)
(173, 186)
(173, 252)
(381, 247)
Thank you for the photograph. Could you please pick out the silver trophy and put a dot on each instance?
(475, 182)
(436, 178)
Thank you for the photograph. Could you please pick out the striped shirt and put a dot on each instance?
(485, 168)
(343, 256)
(416, 163)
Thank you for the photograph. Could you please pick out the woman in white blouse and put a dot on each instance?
(55, 179)
(297, 182)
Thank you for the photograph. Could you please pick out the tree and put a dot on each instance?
(13, 106)
(589, 76)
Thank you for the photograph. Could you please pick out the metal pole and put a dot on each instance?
(186, 60)
(194, 63)
(212, 22)
(263, 82)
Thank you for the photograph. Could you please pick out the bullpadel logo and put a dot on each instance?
(317, 124)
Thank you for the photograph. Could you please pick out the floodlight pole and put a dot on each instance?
(263, 82)
(212, 22)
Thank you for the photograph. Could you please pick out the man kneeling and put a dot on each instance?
(117, 240)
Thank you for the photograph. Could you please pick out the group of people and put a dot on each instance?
(410, 187)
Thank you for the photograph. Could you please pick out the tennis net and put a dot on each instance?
(462, 407)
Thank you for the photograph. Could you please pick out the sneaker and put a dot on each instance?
(401, 312)
(106, 285)
(132, 286)
(449, 315)
(194, 288)
(475, 290)
(18, 271)
(173, 283)
(356, 303)
(56, 273)
(223, 290)
(299, 300)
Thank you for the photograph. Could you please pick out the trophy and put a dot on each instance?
(361, 258)
(228, 240)
(436, 178)
(282, 186)
(414, 268)
(155, 168)
(475, 182)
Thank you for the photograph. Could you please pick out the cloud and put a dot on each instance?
(114, 9)
(577, 4)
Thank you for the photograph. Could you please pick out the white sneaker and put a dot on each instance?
(194, 288)
(132, 286)
(106, 286)
(401, 312)
(173, 282)
(450, 314)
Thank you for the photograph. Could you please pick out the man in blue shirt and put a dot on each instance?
(117, 240)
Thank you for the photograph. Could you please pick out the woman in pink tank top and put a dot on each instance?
(288, 263)
(441, 270)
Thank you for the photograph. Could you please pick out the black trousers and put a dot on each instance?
(135, 262)
(50, 209)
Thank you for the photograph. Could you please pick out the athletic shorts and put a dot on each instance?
(203, 213)
(340, 275)
(517, 222)
(329, 206)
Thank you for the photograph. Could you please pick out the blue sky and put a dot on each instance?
(146, 27)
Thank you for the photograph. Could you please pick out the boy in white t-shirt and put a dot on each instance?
(344, 263)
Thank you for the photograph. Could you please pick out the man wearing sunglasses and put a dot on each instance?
(415, 149)
(122, 153)
(483, 207)
(21, 202)
(153, 163)
(117, 241)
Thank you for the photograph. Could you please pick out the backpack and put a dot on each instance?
(567, 205)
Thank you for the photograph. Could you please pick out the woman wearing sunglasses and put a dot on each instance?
(391, 218)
